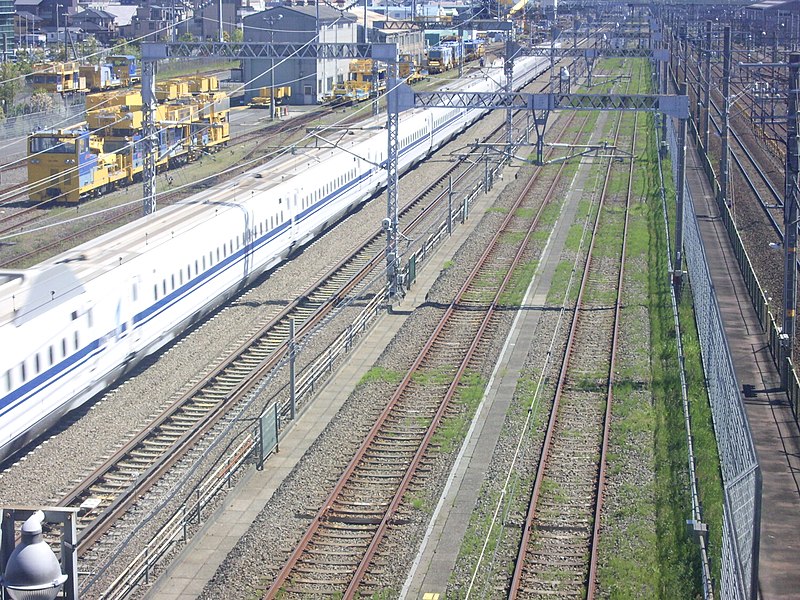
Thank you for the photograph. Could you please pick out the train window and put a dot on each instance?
(155, 292)
(22, 372)
(8, 380)
(180, 277)
(217, 254)
(172, 281)
(237, 243)
(63, 347)
(75, 339)
(135, 292)
(204, 263)
(38, 363)
(74, 314)
(51, 356)
(163, 287)
(90, 317)
(197, 268)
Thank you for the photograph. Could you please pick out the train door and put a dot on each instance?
(90, 317)
(133, 333)
(290, 216)
(295, 210)
(247, 243)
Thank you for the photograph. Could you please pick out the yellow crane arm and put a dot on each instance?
(518, 7)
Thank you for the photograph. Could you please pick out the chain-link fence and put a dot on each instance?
(740, 472)
(59, 117)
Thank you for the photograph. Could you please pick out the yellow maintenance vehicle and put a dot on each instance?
(408, 69)
(359, 85)
(280, 93)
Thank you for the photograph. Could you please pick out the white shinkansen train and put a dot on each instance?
(72, 325)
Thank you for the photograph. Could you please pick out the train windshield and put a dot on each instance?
(55, 145)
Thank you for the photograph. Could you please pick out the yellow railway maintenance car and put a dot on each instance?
(363, 82)
(280, 93)
(92, 158)
(120, 70)
(57, 78)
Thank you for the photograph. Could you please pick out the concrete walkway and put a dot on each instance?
(436, 559)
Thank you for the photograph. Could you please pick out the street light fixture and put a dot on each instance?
(271, 20)
(32, 571)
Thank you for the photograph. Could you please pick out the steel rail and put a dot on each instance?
(304, 544)
(361, 569)
(125, 580)
(748, 178)
(527, 526)
(601, 479)
(737, 137)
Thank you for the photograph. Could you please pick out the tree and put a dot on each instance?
(237, 35)
(187, 37)
(40, 101)
(89, 48)
(121, 46)
(11, 81)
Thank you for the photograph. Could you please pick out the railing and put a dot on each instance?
(62, 114)
(740, 471)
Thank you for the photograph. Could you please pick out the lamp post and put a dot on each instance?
(30, 570)
(271, 20)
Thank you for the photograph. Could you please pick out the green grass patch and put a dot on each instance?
(678, 556)
(513, 238)
(442, 375)
(381, 374)
(451, 431)
(558, 288)
(525, 213)
(518, 285)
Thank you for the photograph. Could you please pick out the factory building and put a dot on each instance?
(313, 80)
(310, 80)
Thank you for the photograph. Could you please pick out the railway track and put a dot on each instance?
(755, 175)
(340, 554)
(558, 549)
(116, 486)
(755, 190)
